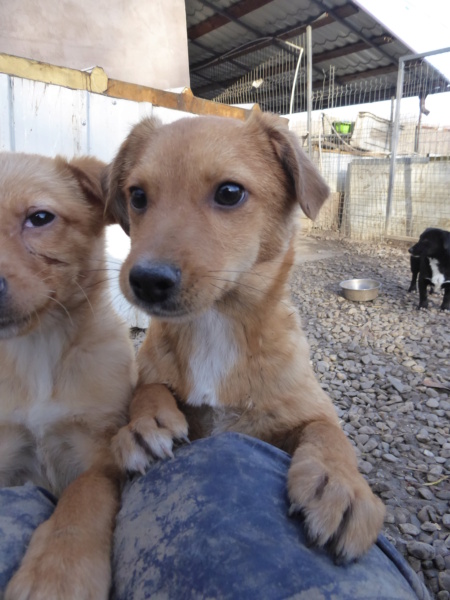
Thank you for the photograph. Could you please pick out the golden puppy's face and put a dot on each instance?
(205, 200)
(50, 219)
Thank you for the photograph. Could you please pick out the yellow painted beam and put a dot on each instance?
(186, 101)
(93, 81)
(98, 82)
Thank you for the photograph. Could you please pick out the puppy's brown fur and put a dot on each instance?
(66, 370)
(225, 338)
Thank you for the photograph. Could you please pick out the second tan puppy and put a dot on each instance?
(210, 205)
(66, 371)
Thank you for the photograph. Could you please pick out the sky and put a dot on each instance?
(421, 24)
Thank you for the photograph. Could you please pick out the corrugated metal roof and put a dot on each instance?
(231, 39)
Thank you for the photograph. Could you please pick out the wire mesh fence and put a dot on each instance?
(350, 136)
(270, 85)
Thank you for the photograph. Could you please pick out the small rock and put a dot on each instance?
(444, 580)
(396, 383)
(389, 457)
(409, 529)
(420, 550)
(423, 435)
(426, 493)
(365, 467)
(430, 527)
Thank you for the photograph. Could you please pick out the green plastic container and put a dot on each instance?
(343, 126)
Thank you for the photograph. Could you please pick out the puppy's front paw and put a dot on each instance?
(338, 506)
(57, 566)
(147, 438)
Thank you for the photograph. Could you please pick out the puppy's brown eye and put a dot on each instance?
(138, 199)
(230, 194)
(39, 219)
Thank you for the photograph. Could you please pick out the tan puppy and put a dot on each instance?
(66, 370)
(210, 206)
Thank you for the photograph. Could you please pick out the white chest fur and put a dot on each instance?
(214, 352)
(437, 278)
(36, 358)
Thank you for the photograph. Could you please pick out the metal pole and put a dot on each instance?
(396, 128)
(394, 142)
(309, 85)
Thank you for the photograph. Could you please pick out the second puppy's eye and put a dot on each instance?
(230, 194)
(39, 219)
(138, 199)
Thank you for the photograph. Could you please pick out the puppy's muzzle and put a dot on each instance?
(155, 283)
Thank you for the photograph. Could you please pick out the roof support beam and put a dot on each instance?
(349, 49)
(240, 9)
(352, 28)
(316, 22)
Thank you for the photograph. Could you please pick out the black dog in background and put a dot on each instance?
(430, 259)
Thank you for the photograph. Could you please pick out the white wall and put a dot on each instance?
(143, 42)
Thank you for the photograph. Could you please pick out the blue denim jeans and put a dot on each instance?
(213, 523)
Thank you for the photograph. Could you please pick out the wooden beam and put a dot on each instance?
(98, 82)
(186, 101)
(95, 80)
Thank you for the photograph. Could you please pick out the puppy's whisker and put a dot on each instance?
(279, 279)
(240, 301)
(98, 282)
(37, 316)
(107, 269)
(62, 306)
(263, 293)
(86, 296)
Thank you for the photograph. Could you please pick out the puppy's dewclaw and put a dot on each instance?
(338, 506)
(152, 433)
(211, 205)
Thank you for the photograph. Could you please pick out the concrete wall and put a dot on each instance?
(134, 41)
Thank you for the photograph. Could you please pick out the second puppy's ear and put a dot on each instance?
(309, 187)
(115, 175)
(89, 173)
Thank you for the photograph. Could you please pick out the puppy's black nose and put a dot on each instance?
(154, 282)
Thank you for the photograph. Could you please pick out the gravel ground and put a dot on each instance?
(375, 360)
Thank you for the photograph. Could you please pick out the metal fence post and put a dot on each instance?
(309, 86)
(396, 128)
(394, 142)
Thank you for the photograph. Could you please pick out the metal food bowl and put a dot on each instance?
(360, 290)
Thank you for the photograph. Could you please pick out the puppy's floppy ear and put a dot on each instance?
(89, 172)
(309, 187)
(114, 178)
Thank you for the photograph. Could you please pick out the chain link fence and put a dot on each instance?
(377, 191)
